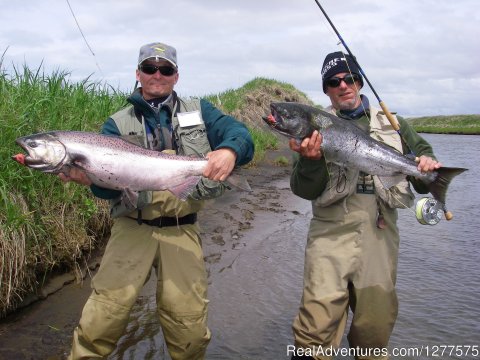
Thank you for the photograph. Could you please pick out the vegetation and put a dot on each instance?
(45, 225)
(48, 226)
(452, 124)
(251, 102)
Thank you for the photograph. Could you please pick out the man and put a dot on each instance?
(161, 230)
(352, 246)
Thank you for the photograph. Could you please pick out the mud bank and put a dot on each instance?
(231, 226)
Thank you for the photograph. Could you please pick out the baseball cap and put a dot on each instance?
(158, 51)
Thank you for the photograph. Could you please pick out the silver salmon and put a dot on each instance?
(347, 145)
(114, 163)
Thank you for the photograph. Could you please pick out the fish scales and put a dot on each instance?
(112, 162)
(347, 145)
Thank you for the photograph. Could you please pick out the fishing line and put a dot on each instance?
(81, 32)
(395, 124)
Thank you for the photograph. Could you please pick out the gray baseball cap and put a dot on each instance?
(158, 51)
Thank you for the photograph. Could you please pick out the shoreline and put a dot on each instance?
(43, 327)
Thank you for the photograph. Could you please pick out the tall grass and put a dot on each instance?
(44, 224)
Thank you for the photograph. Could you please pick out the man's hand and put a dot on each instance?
(309, 147)
(220, 164)
(76, 175)
(426, 164)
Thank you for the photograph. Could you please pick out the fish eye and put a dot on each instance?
(32, 144)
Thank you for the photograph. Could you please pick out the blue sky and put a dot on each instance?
(422, 56)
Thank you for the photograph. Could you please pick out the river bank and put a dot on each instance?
(44, 328)
(254, 250)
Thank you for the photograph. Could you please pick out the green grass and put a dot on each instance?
(448, 124)
(233, 99)
(46, 225)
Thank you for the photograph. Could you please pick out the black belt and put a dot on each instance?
(163, 221)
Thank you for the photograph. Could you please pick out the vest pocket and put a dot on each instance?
(342, 183)
(193, 142)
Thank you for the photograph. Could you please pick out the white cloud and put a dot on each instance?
(421, 56)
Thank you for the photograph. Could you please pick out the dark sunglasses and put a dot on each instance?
(152, 69)
(336, 81)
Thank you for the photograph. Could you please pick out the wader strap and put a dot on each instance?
(164, 221)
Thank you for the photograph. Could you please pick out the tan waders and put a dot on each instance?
(131, 252)
(349, 262)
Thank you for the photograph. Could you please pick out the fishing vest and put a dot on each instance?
(188, 140)
(344, 182)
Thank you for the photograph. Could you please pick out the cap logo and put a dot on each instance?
(331, 64)
(158, 48)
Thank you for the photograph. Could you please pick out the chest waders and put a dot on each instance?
(175, 252)
(351, 263)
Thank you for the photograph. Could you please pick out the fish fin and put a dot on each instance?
(438, 188)
(130, 198)
(389, 181)
(238, 182)
(183, 190)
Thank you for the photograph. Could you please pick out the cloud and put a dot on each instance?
(421, 56)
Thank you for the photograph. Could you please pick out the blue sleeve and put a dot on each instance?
(109, 128)
(224, 131)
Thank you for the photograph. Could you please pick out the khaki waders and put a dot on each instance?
(349, 262)
(131, 252)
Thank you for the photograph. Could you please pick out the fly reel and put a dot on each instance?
(428, 211)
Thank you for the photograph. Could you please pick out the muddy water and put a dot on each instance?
(254, 245)
(254, 255)
(255, 289)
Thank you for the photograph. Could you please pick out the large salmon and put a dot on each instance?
(113, 163)
(348, 146)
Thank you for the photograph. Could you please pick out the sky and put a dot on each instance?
(421, 56)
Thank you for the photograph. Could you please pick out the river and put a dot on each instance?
(255, 269)
(254, 300)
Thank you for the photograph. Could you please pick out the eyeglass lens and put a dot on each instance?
(152, 69)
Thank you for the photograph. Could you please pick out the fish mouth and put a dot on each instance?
(28, 159)
(270, 120)
(274, 120)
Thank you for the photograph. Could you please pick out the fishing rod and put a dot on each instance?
(388, 114)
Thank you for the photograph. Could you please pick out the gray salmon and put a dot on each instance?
(347, 145)
(113, 163)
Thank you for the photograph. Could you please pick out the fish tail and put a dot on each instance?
(239, 182)
(438, 188)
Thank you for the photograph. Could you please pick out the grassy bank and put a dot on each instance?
(449, 124)
(47, 226)
(44, 225)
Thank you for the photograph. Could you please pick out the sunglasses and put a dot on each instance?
(152, 69)
(336, 81)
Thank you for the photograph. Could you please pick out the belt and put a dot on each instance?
(164, 221)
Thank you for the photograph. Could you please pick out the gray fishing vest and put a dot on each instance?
(190, 140)
(344, 182)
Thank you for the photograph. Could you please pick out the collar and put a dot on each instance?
(137, 99)
(362, 110)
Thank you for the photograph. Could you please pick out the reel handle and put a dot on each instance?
(448, 214)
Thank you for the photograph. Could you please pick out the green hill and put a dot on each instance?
(449, 124)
